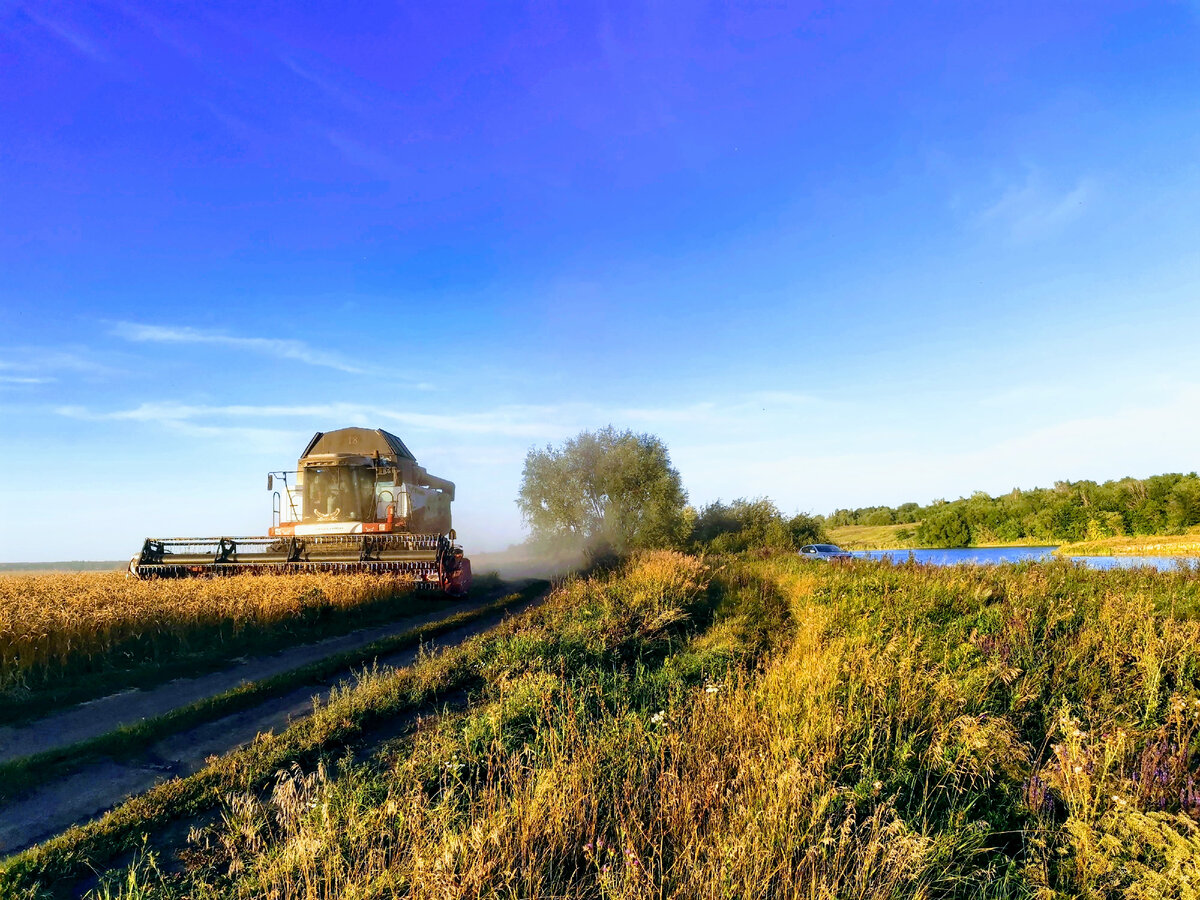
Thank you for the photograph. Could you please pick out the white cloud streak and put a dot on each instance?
(24, 379)
(274, 347)
(327, 86)
(527, 422)
(517, 421)
(74, 39)
(369, 159)
(1031, 209)
(36, 365)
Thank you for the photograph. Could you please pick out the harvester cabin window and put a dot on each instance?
(339, 494)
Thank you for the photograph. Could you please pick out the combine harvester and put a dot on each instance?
(357, 502)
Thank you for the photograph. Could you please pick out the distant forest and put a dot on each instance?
(1070, 511)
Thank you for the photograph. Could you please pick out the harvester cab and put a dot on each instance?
(360, 481)
(357, 501)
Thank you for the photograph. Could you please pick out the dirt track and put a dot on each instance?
(86, 793)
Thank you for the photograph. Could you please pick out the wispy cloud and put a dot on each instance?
(238, 127)
(23, 379)
(524, 422)
(326, 85)
(167, 31)
(38, 365)
(178, 412)
(1031, 208)
(275, 347)
(69, 35)
(516, 421)
(367, 158)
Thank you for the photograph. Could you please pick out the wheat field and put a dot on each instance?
(59, 624)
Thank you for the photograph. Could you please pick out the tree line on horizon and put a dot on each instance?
(1068, 512)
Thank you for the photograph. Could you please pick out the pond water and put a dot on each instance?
(971, 555)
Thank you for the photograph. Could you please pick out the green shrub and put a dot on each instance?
(944, 528)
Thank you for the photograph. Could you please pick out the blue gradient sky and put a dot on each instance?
(837, 256)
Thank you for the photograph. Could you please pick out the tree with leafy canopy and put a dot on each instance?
(753, 525)
(946, 527)
(605, 491)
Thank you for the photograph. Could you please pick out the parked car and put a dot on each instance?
(827, 552)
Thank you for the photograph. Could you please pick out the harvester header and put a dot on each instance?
(357, 501)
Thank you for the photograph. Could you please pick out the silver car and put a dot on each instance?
(828, 552)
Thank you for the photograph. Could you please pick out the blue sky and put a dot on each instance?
(838, 255)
